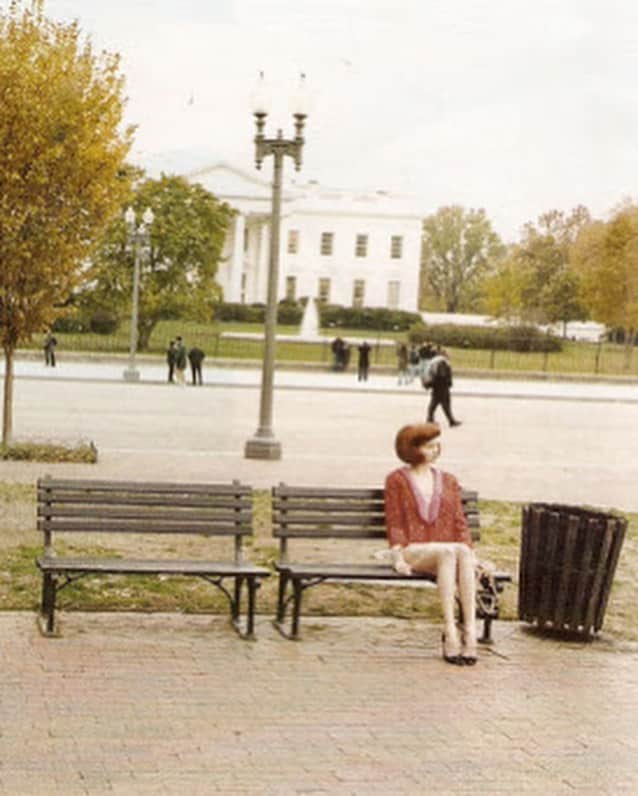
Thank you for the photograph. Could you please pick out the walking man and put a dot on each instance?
(439, 379)
(196, 357)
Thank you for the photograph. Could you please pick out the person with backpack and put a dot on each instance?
(438, 379)
(180, 362)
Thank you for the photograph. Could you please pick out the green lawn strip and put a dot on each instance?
(575, 358)
(82, 453)
(20, 581)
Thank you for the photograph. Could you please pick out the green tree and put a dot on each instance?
(177, 271)
(60, 170)
(605, 255)
(459, 248)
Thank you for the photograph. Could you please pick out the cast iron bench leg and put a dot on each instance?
(48, 602)
(236, 608)
(296, 607)
(250, 625)
(486, 638)
(281, 596)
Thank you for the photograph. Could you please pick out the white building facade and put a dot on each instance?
(353, 249)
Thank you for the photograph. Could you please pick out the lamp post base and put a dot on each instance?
(131, 374)
(262, 448)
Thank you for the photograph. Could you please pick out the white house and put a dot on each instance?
(341, 247)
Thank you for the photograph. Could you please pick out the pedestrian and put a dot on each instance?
(413, 362)
(363, 363)
(180, 362)
(426, 352)
(402, 363)
(438, 378)
(196, 357)
(170, 360)
(428, 533)
(337, 353)
(50, 343)
(345, 355)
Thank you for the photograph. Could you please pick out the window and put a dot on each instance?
(327, 239)
(293, 241)
(246, 239)
(396, 247)
(324, 291)
(393, 295)
(291, 288)
(358, 292)
(361, 246)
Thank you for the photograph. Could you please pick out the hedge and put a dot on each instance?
(377, 318)
(491, 338)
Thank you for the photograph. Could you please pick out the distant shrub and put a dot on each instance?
(103, 322)
(288, 312)
(71, 323)
(491, 338)
(375, 318)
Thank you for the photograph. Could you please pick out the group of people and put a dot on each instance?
(176, 358)
(432, 365)
(341, 357)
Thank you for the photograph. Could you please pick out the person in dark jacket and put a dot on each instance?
(180, 361)
(196, 357)
(170, 360)
(364, 361)
(49, 349)
(439, 380)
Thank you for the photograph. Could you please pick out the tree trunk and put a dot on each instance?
(7, 407)
(630, 339)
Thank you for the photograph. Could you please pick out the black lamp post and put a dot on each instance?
(138, 237)
(263, 444)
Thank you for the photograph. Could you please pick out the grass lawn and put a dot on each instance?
(500, 537)
(575, 358)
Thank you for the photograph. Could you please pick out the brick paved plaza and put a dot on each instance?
(169, 704)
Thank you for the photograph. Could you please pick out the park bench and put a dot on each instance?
(353, 515)
(102, 509)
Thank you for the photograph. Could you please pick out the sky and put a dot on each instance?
(514, 106)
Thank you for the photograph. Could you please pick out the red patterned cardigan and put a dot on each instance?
(408, 518)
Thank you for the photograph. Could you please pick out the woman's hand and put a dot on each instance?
(400, 564)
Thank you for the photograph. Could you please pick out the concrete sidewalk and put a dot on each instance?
(153, 371)
(168, 704)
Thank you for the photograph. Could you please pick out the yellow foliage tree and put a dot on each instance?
(61, 170)
(606, 257)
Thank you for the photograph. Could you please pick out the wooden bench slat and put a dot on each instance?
(48, 498)
(161, 487)
(147, 566)
(99, 525)
(166, 513)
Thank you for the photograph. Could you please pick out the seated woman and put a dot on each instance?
(428, 533)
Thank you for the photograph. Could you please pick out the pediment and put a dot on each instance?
(228, 182)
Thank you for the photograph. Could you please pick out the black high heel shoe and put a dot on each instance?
(468, 660)
(456, 660)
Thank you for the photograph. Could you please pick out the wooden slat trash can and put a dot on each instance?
(568, 558)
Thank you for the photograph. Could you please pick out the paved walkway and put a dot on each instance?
(167, 704)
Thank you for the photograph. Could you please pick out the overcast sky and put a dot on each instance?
(510, 105)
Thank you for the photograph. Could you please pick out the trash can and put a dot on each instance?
(568, 559)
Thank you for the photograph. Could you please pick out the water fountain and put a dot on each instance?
(309, 329)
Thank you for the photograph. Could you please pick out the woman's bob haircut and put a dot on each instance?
(410, 438)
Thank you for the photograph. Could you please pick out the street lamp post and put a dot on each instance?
(263, 444)
(138, 236)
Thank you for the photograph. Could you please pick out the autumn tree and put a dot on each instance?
(534, 282)
(605, 255)
(458, 248)
(177, 270)
(62, 151)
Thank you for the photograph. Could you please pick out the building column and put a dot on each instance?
(237, 259)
